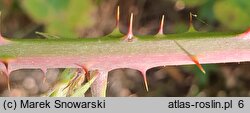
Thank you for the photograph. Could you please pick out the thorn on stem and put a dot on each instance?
(86, 71)
(130, 36)
(6, 70)
(161, 26)
(143, 73)
(117, 16)
(6, 62)
(245, 35)
(8, 80)
(191, 27)
(190, 18)
(116, 31)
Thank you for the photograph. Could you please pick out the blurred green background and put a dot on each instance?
(95, 18)
(92, 18)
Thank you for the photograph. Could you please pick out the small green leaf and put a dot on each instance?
(62, 17)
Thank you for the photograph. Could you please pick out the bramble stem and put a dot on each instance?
(112, 53)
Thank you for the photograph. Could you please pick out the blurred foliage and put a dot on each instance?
(61, 17)
(80, 18)
(194, 3)
(234, 14)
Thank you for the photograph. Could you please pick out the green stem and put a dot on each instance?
(112, 52)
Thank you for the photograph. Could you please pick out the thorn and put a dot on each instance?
(116, 31)
(130, 36)
(6, 62)
(192, 57)
(82, 67)
(118, 16)
(6, 70)
(8, 80)
(86, 71)
(143, 73)
(191, 27)
(3, 41)
(245, 35)
(190, 19)
(161, 26)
